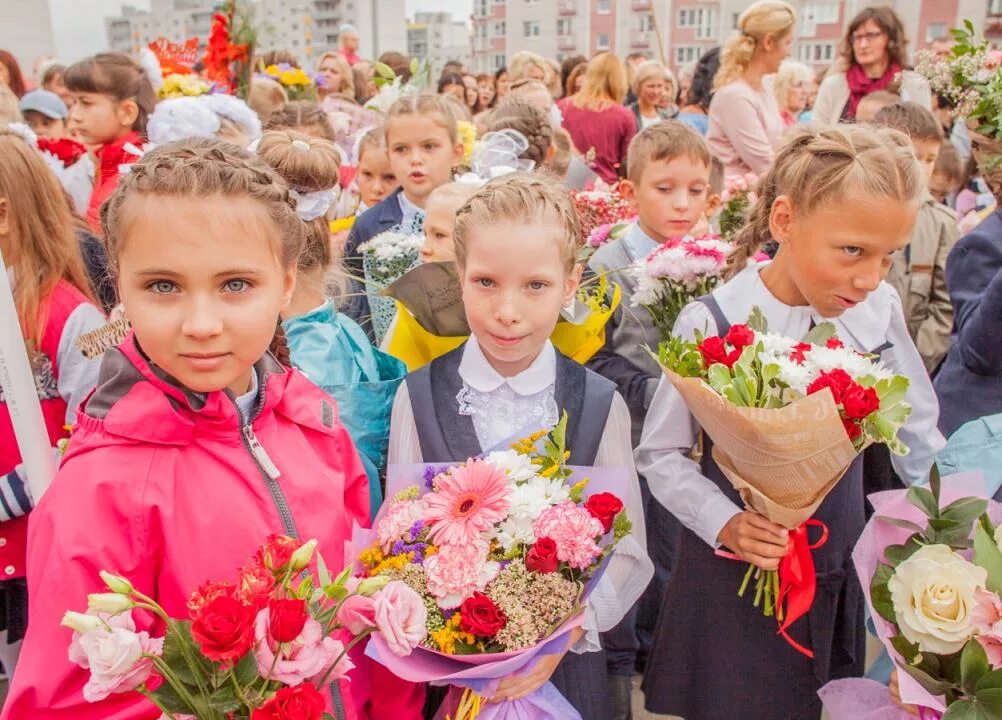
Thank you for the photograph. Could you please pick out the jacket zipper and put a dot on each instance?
(271, 473)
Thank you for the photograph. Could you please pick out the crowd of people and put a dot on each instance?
(191, 276)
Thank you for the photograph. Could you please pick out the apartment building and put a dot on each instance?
(438, 37)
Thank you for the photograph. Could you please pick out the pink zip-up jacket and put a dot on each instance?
(172, 489)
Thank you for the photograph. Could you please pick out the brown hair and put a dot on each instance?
(560, 163)
(949, 163)
(277, 57)
(53, 71)
(520, 198)
(118, 76)
(912, 119)
(399, 63)
(42, 248)
(604, 84)
(567, 68)
(889, 22)
(572, 79)
(515, 113)
(302, 115)
(308, 165)
(431, 106)
(14, 71)
(266, 98)
(762, 18)
(665, 141)
(820, 165)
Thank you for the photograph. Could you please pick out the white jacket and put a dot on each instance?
(834, 94)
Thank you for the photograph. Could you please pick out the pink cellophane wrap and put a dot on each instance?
(849, 696)
(481, 673)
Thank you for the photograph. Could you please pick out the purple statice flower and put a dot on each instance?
(398, 548)
(416, 529)
(430, 473)
(284, 66)
(319, 80)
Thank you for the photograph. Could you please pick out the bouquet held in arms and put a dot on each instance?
(931, 567)
(504, 551)
(385, 258)
(278, 637)
(676, 273)
(787, 419)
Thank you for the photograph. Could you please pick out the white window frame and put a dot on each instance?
(602, 7)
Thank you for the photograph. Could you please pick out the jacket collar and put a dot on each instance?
(389, 209)
(114, 154)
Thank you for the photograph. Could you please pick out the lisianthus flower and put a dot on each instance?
(466, 502)
(307, 656)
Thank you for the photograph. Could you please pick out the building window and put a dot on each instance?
(530, 28)
(734, 20)
(995, 7)
(564, 26)
(699, 18)
(935, 31)
(603, 41)
(498, 62)
(646, 23)
(687, 54)
(602, 7)
(481, 7)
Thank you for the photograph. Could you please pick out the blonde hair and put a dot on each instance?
(430, 106)
(373, 139)
(789, 73)
(520, 198)
(821, 165)
(304, 116)
(459, 193)
(762, 18)
(266, 97)
(460, 110)
(308, 165)
(560, 163)
(10, 111)
(604, 83)
(651, 69)
(522, 62)
(42, 248)
(516, 113)
(347, 75)
(665, 141)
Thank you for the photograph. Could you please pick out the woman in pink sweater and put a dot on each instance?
(745, 123)
(596, 119)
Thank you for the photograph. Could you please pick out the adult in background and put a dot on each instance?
(10, 74)
(695, 100)
(472, 96)
(650, 84)
(527, 65)
(633, 61)
(567, 69)
(790, 87)
(596, 119)
(338, 78)
(744, 118)
(575, 81)
(502, 84)
(873, 54)
(347, 38)
(487, 90)
(454, 86)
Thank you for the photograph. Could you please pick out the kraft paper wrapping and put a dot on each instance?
(782, 461)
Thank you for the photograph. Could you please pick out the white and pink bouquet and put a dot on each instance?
(277, 637)
(676, 273)
(931, 566)
(738, 196)
(503, 551)
(596, 208)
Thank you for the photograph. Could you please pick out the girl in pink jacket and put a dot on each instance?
(197, 443)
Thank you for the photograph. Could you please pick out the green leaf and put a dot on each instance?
(934, 481)
(990, 703)
(322, 571)
(990, 681)
(973, 665)
(384, 71)
(962, 710)
(621, 526)
(171, 701)
(719, 377)
(906, 649)
(988, 556)
(880, 596)
(892, 391)
(178, 635)
(820, 334)
(965, 510)
(757, 320)
(897, 554)
(923, 499)
(931, 684)
(903, 524)
(225, 700)
(246, 669)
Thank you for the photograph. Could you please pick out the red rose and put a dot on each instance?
(301, 702)
(255, 585)
(852, 429)
(859, 402)
(715, 351)
(224, 628)
(604, 506)
(207, 592)
(276, 552)
(837, 380)
(740, 336)
(286, 619)
(542, 556)
(834, 343)
(478, 615)
(798, 352)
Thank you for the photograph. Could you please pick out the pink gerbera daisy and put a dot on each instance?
(466, 502)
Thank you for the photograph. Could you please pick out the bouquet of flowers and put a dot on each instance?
(739, 195)
(230, 47)
(246, 649)
(606, 232)
(972, 79)
(177, 85)
(297, 84)
(675, 273)
(601, 207)
(392, 87)
(503, 551)
(931, 566)
(385, 258)
(826, 403)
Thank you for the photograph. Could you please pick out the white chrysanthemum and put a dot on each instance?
(793, 374)
(514, 531)
(775, 345)
(518, 467)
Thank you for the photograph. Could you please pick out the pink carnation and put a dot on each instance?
(456, 571)
(986, 618)
(305, 658)
(574, 530)
(115, 657)
(466, 502)
(600, 235)
(397, 521)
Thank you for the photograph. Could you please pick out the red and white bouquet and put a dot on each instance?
(503, 551)
(601, 207)
(677, 272)
(825, 403)
(278, 636)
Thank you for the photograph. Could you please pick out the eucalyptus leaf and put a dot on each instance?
(880, 595)
(903, 524)
(965, 510)
(990, 681)
(897, 554)
(820, 334)
(962, 710)
(931, 684)
(935, 484)
(989, 702)
(906, 649)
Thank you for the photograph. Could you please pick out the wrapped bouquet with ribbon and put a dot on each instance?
(787, 418)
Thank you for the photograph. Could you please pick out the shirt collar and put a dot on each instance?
(638, 243)
(477, 372)
(408, 209)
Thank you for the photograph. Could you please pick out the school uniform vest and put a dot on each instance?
(446, 436)
(716, 656)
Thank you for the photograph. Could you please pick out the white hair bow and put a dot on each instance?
(496, 154)
(312, 205)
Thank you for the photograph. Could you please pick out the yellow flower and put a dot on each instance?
(397, 562)
(342, 224)
(579, 487)
(448, 636)
(371, 557)
(467, 136)
(550, 471)
(272, 70)
(430, 550)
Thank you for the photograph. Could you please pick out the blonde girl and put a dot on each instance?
(744, 120)
(55, 306)
(840, 202)
(195, 431)
(338, 79)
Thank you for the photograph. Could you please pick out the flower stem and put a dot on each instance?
(758, 589)
(744, 583)
(355, 641)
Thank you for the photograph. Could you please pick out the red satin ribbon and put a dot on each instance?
(797, 579)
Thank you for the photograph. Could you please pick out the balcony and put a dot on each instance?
(567, 7)
(566, 42)
(639, 39)
(641, 5)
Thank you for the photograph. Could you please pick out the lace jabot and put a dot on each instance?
(503, 414)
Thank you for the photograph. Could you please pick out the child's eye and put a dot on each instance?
(484, 282)
(537, 285)
(236, 286)
(853, 251)
(162, 287)
(430, 146)
(665, 188)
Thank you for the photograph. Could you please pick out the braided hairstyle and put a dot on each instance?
(200, 167)
(818, 165)
(516, 113)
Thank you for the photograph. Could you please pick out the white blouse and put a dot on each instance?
(629, 569)
(670, 431)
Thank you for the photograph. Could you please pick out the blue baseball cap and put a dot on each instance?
(45, 102)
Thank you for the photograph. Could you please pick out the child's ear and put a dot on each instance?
(572, 283)
(713, 203)
(289, 283)
(629, 191)
(127, 112)
(781, 219)
(457, 155)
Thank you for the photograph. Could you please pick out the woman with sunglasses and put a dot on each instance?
(873, 58)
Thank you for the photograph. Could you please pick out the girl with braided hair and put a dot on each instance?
(197, 443)
(840, 202)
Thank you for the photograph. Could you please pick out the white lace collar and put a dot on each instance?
(478, 374)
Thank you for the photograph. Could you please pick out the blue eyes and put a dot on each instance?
(166, 287)
(236, 285)
(162, 287)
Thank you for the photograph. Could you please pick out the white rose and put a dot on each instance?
(933, 594)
